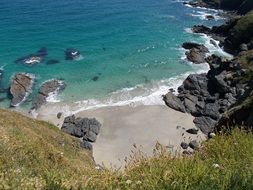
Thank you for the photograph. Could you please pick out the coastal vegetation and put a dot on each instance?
(37, 155)
(242, 6)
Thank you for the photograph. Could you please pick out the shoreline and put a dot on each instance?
(123, 132)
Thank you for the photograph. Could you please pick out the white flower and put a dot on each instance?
(216, 166)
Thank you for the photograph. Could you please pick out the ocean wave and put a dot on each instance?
(143, 94)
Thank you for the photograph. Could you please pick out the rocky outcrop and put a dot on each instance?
(71, 54)
(84, 128)
(173, 102)
(235, 35)
(20, 87)
(46, 89)
(208, 96)
(240, 6)
(34, 58)
(196, 53)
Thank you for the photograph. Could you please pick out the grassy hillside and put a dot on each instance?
(36, 155)
(243, 30)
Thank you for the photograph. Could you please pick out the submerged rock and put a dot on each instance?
(46, 89)
(34, 58)
(72, 54)
(20, 87)
(209, 17)
(52, 61)
(95, 78)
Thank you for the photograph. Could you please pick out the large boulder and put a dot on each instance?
(196, 56)
(173, 102)
(205, 124)
(84, 128)
(20, 87)
(47, 88)
(190, 45)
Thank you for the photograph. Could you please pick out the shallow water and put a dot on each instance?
(131, 47)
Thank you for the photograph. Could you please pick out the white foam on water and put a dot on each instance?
(203, 15)
(53, 96)
(215, 48)
(144, 94)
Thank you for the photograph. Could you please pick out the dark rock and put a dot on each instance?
(191, 45)
(190, 106)
(209, 17)
(195, 82)
(52, 61)
(204, 123)
(195, 56)
(187, 153)
(86, 145)
(81, 127)
(71, 54)
(90, 136)
(59, 115)
(212, 110)
(194, 145)
(179, 127)
(222, 86)
(184, 145)
(201, 29)
(47, 88)
(192, 131)
(20, 87)
(173, 102)
(231, 99)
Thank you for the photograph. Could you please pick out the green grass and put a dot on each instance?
(36, 155)
(243, 30)
(233, 153)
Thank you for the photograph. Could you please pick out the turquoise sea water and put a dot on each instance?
(123, 42)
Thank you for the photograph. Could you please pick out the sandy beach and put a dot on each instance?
(125, 126)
